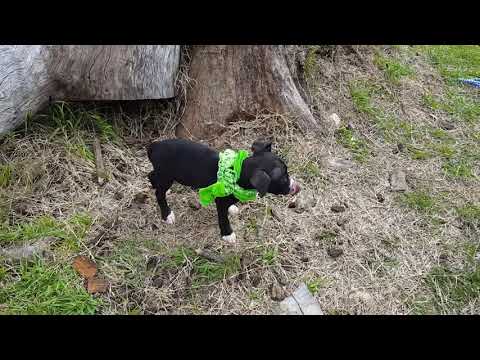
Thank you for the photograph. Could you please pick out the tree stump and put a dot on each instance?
(236, 82)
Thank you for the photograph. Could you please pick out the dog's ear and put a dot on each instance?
(260, 146)
(260, 181)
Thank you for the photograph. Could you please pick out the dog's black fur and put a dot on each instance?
(196, 165)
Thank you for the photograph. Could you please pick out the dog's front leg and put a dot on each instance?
(226, 231)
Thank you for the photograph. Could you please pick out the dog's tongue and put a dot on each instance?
(294, 187)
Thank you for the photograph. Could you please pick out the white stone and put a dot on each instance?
(301, 302)
(335, 120)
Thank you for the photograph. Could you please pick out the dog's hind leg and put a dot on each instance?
(161, 186)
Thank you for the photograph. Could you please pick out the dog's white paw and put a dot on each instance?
(170, 218)
(233, 210)
(231, 239)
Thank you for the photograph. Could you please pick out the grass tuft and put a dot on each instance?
(393, 70)
(351, 141)
(46, 290)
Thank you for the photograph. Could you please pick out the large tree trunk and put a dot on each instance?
(234, 82)
(30, 76)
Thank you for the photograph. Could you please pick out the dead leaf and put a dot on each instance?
(97, 285)
(85, 267)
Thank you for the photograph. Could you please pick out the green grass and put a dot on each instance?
(420, 201)
(310, 169)
(204, 271)
(439, 134)
(269, 255)
(78, 148)
(455, 61)
(455, 103)
(310, 64)
(392, 129)
(470, 213)
(47, 290)
(207, 272)
(70, 230)
(417, 153)
(443, 150)
(348, 139)
(361, 94)
(393, 69)
(458, 168)
(75, 122)
(314, 285)
(6, 172)
(450, 290)
(326, 235)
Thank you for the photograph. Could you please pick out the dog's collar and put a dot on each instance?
(229, 169)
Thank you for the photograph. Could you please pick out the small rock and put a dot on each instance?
(400, 147)
(152, 263)
(326, 234)
(32, 171)
(304, 258)
(141, 198)
(337, 208)
(39, 248)
(447, 126)
(302, 202)
(361, 296)
(341, 164)
(299, 247)
(255, 280)
(157, 281)
(334, 252)
(380, 197)
(292, 203)
(277, 293)
(280, 276)
(398, 181)
(22, 208)
(335, 121)
(275, 214)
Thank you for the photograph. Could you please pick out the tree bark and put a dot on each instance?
(234, 82)
(30, 76)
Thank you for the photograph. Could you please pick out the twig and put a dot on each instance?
(209, 255)
(101, 175)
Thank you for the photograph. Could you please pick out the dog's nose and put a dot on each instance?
(294, 187)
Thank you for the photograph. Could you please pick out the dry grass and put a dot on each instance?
(389, 248)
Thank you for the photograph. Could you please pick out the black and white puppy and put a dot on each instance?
(196, 165)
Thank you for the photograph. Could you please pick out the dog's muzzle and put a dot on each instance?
(294, 187)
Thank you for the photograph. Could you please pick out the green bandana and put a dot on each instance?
(229, 168)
